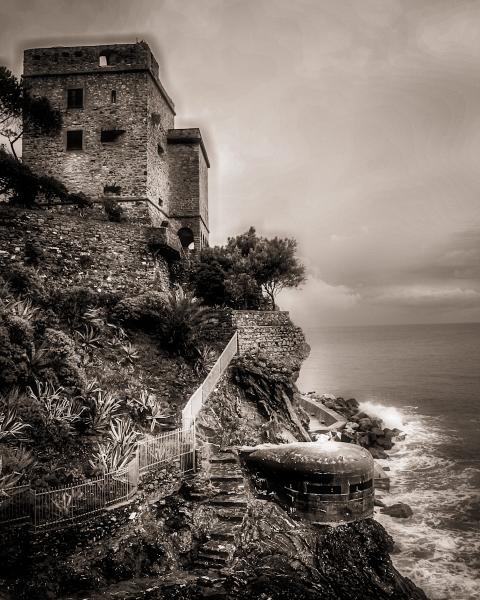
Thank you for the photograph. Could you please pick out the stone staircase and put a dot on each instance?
(226, 501)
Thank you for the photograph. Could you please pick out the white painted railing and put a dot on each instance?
(199, 396)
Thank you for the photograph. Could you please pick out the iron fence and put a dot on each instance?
(174, 447)
(61, 506)
(16, 505)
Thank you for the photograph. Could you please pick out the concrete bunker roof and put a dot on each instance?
(327, 457)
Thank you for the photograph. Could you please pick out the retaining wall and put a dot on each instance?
(85, 250)
(269, 332)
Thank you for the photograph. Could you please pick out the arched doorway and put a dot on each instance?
(186, 237)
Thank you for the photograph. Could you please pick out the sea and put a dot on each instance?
(425, 380)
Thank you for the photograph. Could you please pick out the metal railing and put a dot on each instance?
(200, 395)
(65, 505)
(173, 447)
(16, 504)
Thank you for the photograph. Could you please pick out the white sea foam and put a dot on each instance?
(433, 548)
(390, 415)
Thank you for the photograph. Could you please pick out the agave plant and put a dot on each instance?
(88, 338)
(57, 408)
(11, 428)
(142, 402)
(37, 358)
(131, 354)
(118, 450)
(147, 404)
(64, 502)
(22, 309)
(206, 359)
(156, 417)
(8, 481)
(103, 406)
(91, 387)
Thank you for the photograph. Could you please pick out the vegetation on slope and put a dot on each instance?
(83, 374)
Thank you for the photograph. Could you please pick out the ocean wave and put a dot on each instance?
(391, 416)
(438, 547)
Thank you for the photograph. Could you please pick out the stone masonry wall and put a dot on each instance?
(122, 163)
(85, 251)
(159, 120)
(188, 182)
(269, 332)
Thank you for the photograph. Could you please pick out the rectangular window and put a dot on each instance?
(110, 136)
(114, 96)
(75, 139)
(75, 98)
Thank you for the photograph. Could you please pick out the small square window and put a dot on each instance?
(75, 139)
(75, 98)
(114, 96)
(110, 136)
(103, 60)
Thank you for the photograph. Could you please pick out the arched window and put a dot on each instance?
(186, 237)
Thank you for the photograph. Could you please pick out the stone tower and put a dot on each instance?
(118, 137)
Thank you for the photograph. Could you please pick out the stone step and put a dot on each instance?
(212, 558)
(226, 477)
(225, 488)
(215, 548)
(227, 536)
(208, 565)
(230, 515)
(228, 501)
(229, 459)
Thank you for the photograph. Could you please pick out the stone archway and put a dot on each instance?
(186, 237)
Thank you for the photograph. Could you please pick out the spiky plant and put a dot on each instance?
(118, 449)
(57, 407)
(37, 359)
(11, 427)
(131, 354)
(103, 406)
(20, 461)
(88, 338)
(147, 405)
(205, 360)
(23, 309)
(183, 324)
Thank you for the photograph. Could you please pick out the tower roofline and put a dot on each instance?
(188, 136)
(58, 61)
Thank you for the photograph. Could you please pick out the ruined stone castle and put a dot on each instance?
(118, 138)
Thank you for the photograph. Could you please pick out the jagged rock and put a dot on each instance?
(377, 452)
(399, 510)
(365, 424)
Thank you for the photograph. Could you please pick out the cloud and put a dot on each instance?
(428, 297)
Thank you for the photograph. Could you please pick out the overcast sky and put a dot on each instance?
(353, 126)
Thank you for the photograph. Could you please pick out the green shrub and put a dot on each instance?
(34, 253)
(25, 281)
(115, 212)
(73, 303)
(62, 362)
(140, 312)
(13, 360)
(183, 324)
